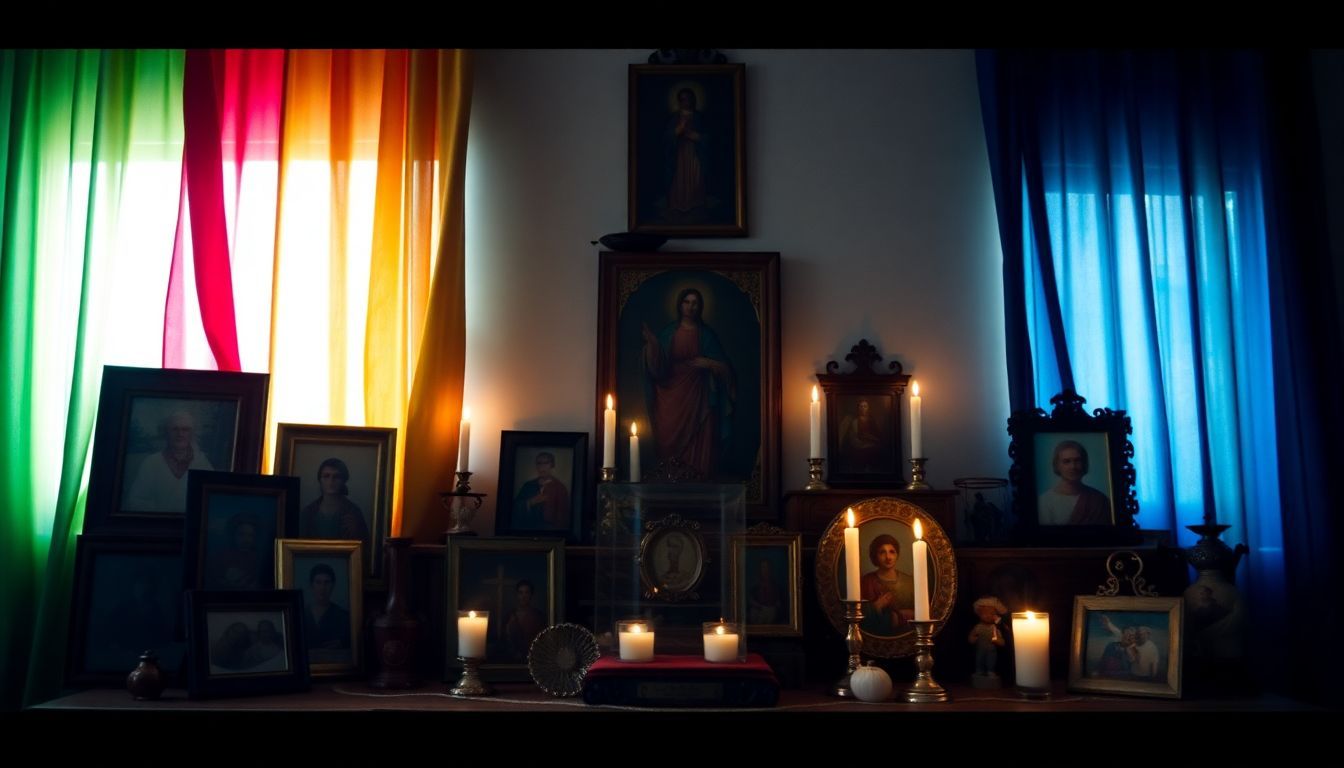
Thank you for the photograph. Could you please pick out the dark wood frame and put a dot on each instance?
(1175, 610)
(580, 483)
(554, 551)
(620, 274)
(201, 684)
(736, 73)
(87, 548)
(1068, 416)
(120, 386)
(285, 575)
(863, 380)
(765, 535)
(384, 439)
(285, 491)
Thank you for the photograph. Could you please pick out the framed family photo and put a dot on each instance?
(330, 576)
(1127, 645)
(687, 148)
(233, 523)
(689, 345)
(1072, 475)
(768, 565)
(345, 483)
(245, 643)
(863, 421)
(543, 484)
(154, 426)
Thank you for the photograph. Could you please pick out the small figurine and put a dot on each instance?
(987, 640)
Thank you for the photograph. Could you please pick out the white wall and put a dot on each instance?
(867, 171)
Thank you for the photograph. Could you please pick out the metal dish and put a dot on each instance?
(559, 658)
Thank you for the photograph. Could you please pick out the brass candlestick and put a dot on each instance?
(917, 476)
(456, 500)
(853, 641)
(814, 482)
(470, 684)
(608, 474)
(926, 690)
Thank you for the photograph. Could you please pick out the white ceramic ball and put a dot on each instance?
(870, 683)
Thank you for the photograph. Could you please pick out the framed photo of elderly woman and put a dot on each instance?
(688, 344)
(345, 484)
(887, 536)
(1072, 475)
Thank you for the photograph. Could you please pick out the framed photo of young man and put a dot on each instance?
(543, 484)
(330, 576)
(232, 527)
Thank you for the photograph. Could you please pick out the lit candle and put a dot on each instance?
(609, 434)
(851, 558)
(464, 440)
(1031, 649)
(916, 419)
(471, 627)
(921, 554)
(636, 642)
(814, 422)
(634, 452)
(721, 641)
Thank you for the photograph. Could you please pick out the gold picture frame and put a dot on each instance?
(342, 562)
(673, 559)
(887, 634)
(768, 614)
(1107, 652)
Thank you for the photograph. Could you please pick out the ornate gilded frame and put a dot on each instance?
(767, 535)
(286, 577)
(655, 531)
(1169, 687)
(943, 570)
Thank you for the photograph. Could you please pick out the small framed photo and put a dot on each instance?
(771, 563)
(232, 526)
(543, 484)
(520, 582)
(688, 168)
(1072, 475)
(673, 559)
(127, 595)
(1127, 645)
(329, 574)
(154, 426)
(863, 421)
(245, 643)
(345, 483)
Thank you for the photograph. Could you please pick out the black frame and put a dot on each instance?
(864, 381)
(1068, 415)
(285, 491)
(578, 482)
(120, 386)
(200, 682)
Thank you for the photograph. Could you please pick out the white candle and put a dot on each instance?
(1031, 649)
(814, 423)
(464, 440)
(851, 558)
(920, 552)
(721, 645)
(609, 434)
(637, 644)
(634, 452)
(471, 634)
(916, 419)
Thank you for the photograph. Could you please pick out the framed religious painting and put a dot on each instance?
(245, 643)
(863, 420)
(330, 576)
(888, 528)
(154, 426)
(687, 146)
(1072, 475)
(1127, 645)
(345, 484)
(688, 344)
(232, 525)
(768, 567)
(543, 484)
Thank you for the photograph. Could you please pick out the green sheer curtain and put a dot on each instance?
(73, 125)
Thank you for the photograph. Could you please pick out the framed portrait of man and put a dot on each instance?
(767, 567)
(232, 527)
(156, 425)
(1127, 645)
(689, 346)
(688, 150)
(543, 484)
(329, 575)
(245, 643)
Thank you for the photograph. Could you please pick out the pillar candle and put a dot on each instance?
(609, 434)
(471, 630)
(916, 424)
(464, 440)
(637, 644)
(920, 553)
(851, 558)
(634, 452)
(814, 424)
(721, 644)
(1031, 649)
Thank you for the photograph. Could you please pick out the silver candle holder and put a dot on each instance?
(854, 642)
(814, 472)
(471, 684)
(917, 476)
(925, 690)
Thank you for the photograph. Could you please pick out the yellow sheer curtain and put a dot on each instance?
(371, 174)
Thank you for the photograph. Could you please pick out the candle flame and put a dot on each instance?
(634, 428)
(471, 614)
(637, 629)
(1031, 616)
(915, 387)
(610, 403)
(466, 413)
(719, 630)
(919, 529)
(850, 514)
(814, 393)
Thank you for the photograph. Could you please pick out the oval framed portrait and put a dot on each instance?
(672, 559)
(886, 583)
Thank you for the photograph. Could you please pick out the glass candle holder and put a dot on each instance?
(636, 640)
(723, 641)
(471, 633)
(1031, 650)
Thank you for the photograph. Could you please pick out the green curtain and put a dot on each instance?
(71, 123)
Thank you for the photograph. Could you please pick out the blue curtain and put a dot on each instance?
(1131, 199)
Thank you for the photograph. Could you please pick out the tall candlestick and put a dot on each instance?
(464, 440)
(852, 559)
(814, 424)
(634, 452)
(916, 423)
(920, 552)
(1031, 649)
(609, 434)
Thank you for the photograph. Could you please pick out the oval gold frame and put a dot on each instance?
(831, 546)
